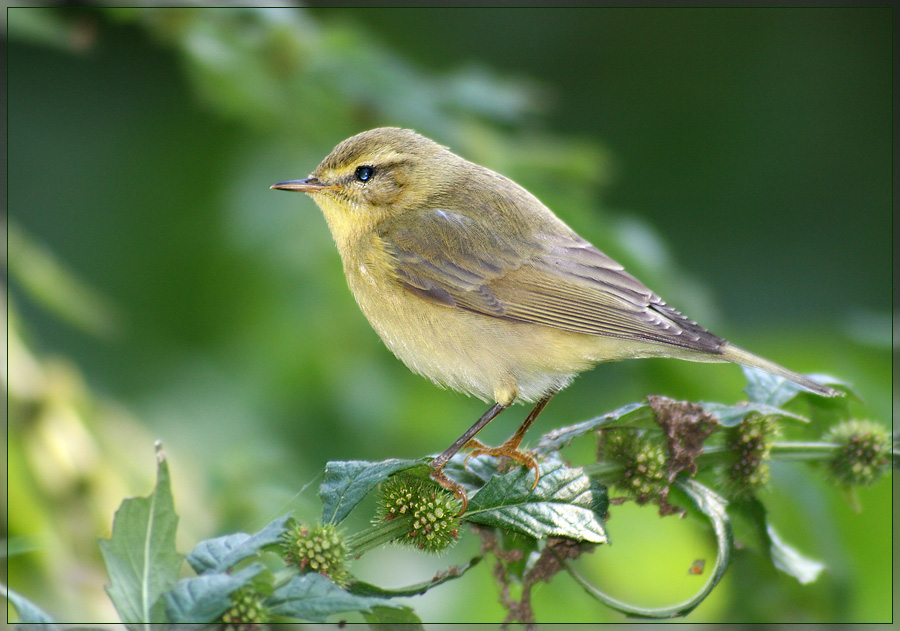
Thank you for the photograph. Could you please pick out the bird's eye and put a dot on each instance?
(364, 174)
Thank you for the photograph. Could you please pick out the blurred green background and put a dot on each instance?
(737, 161)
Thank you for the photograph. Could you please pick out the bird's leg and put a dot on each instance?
(510, 448)
(439, 462)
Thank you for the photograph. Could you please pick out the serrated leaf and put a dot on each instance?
(220, 553)
(791, 562)
(140, 554)
(472, 473)
(388, 618)
(205, 598)
(565, 503)
(347, 482)
(631, 414)
(29, 613)
(361, 588)
(763, 387)
(731, 415)
(314, 597)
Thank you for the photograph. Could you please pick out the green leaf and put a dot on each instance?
(361, 588)
(632, 415)
(140, 554)
(763, 387)
(347, 482)
(791, 562)
(205, 598)
(390, 618)
(565, 503)
(314, 597)
(711, 505)
(731, 415)
(783, 557)
(29, 613)
(219, 554)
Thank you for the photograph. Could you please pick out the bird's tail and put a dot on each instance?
(745, 358)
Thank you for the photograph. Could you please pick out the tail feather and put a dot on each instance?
(745, 358)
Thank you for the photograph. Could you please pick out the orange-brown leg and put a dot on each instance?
(438, 463)
(510, 448)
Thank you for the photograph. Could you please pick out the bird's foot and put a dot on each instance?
(441, 478)
(510, 449)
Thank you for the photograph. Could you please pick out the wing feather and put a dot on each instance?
(556, 279)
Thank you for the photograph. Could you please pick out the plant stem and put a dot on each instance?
(795, 451)
(378, 535)
(607, 471)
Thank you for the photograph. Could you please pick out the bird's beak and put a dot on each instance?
(309, 185)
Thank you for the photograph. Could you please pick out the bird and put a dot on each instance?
(475, 284)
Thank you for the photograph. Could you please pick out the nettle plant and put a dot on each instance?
(652, 452)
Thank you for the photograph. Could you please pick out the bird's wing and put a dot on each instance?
(556, 280)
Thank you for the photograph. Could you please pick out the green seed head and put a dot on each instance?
(751, 443)
(643, 460)
(429, 508)
(318, 549)
(863, 455)
(247, 611)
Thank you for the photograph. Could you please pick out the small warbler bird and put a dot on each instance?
(472, 282)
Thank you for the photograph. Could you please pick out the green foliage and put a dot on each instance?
(28, 612)
(534, 530)
(347, 483)
(140, 555)
(188, 274)
(565, 503)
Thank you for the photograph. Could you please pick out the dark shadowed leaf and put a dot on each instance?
(314, 597)
(205, 598)
(221, 553)
(347, 482)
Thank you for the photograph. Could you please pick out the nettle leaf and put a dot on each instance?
(471, 473)
(221, 553)
(791, 562)
(314, 597)
(205, 598)
(565, 503)
(777, 391)
(361, 588)
(29, 613)
(632, 415)
(731, 415)
(763, 387)
(140, 554)
(347, 482)
(784, 557)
